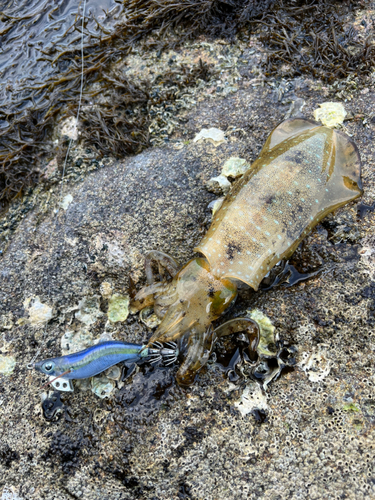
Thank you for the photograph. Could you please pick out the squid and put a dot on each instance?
(304, 172)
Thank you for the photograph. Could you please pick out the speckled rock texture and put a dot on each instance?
(313, 439)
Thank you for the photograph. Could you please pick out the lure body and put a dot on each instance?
(91, 361)
(303, 172)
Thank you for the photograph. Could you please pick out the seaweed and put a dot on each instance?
(119, 125)
(314, 39)
(300, 38)
(218, 18)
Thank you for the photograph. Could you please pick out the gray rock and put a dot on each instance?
(152, 439)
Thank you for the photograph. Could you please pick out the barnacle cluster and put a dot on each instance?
(7, 364)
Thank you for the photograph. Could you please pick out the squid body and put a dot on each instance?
(303, 172)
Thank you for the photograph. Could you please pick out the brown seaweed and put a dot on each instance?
(313, 39)
(302, 38)
(26, 122)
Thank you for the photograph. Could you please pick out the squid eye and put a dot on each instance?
(48, 367)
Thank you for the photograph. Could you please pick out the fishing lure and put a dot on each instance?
(303, 172)
(96, 359)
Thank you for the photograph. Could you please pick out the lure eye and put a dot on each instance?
(48, 367)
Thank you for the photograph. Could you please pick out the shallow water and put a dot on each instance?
(33, 33)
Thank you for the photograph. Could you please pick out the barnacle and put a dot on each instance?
(88, 310)
(330, 114)
(7, 364)
(213, 135)
(118, 307)
(234, 167)
(102, 386)
(39, 313)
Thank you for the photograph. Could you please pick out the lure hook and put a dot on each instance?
(167, 353)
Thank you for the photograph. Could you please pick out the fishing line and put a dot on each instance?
(51, 381)
(74, 134)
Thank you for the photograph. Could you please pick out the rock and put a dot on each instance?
(151, 439)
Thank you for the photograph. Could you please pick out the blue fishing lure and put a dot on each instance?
(98, 358)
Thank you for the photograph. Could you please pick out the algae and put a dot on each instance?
(351, 407)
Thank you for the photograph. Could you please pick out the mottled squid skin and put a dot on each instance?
(304, 172)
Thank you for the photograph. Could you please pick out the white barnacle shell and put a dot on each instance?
(214, 135)
(218, 185)
(267, 332)
(7, 365)
(235, 167)
(89, 310)
(252, 398)
(102, 386)
(118, 307)
(330, 114)
(113, 373)
(39, 313)
(149, 318)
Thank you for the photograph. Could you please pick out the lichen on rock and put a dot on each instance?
(7, 365)
(38, 313)
(330, 114)
(118, 307)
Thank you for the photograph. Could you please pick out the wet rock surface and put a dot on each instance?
(310, 436)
